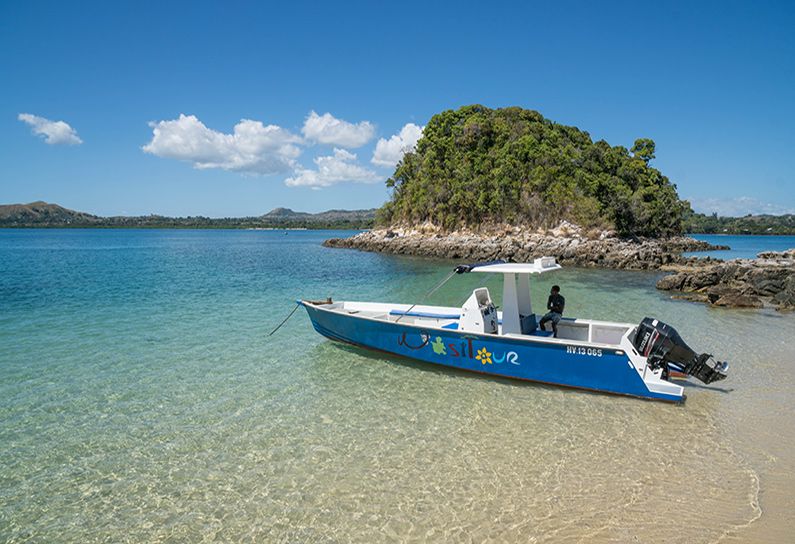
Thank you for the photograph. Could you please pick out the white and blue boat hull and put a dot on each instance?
(611, 368)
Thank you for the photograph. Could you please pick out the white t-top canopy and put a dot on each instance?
(538, 266)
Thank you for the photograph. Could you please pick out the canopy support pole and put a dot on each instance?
(516, 303)
(511, 323)
(525, 307)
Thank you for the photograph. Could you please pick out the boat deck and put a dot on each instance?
(442, 317)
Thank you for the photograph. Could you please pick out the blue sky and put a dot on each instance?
(712, 83)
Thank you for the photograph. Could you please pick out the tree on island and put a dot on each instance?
(477, 165)
(643, 149)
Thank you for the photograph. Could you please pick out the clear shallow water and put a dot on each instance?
(141, 400)
(742, 247)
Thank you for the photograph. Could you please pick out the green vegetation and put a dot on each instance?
(477, 165)
(44, 215)
(750, 224)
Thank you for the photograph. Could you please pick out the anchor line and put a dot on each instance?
(279, 326)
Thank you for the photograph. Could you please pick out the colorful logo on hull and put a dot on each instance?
(438, 346)
(450, 351)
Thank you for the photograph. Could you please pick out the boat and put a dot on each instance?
(621, 358)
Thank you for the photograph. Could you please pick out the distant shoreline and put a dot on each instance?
(41, 214)
(760, 234)
(278, 227)
(171, 227)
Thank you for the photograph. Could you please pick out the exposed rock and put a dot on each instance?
(788, 254)
(569, 243)
(717, 292)
(745, 283)
(785, 300)
(673, 282)
(735, 300)
(692, 297)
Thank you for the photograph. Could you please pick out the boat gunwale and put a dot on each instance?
(515, 337)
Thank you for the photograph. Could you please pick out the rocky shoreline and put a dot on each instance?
(766, 281)
(570, 244)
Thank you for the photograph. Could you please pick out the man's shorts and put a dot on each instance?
(552, 316)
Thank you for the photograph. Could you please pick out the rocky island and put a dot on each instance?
(570, 244)
(509, 184)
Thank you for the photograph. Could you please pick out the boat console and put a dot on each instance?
(478, 313)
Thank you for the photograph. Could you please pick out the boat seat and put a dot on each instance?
(539, 332)
(425, 314)
(528, 323)
(453, 326)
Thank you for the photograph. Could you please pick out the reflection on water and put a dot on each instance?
(140, 400)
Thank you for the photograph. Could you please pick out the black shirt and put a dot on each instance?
(556, 303)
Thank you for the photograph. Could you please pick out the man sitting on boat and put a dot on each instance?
(555, 305)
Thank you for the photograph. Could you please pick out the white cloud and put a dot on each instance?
(333, 169)
(389, 152)
(738, 207)
(327, 129)
(54, 132)
(252, 147)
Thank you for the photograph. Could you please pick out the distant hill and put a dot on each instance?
(330, 215)
(285, 213)
(43, 215)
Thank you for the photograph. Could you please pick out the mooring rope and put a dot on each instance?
(279, 326)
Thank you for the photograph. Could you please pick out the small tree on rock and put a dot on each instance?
(643, 149)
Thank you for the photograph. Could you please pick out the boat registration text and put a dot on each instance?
(578, 350)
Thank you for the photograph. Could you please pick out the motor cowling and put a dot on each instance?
(664, 348)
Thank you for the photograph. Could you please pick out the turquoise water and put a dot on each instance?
(141, 400)
(743, 247)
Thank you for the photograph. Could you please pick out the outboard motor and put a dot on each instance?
(662, 346)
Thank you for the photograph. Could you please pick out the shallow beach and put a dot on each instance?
(141, 400)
